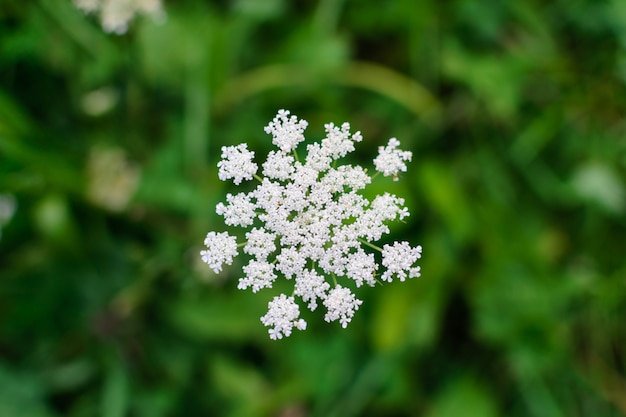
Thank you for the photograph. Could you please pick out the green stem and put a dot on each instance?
(256, 177)
(371, 245)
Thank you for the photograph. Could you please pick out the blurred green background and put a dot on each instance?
(515, 114)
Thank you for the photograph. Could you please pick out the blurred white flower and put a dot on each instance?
(310, 224)
(115, 15)
(111, 178)
(99, 101)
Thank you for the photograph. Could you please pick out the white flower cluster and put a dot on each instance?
(390, 160)
(115, 15)
(282, 316)
(310, 224)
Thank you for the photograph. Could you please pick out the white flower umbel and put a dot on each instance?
(310, 223)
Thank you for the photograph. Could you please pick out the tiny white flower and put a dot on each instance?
(384, 208)
(259, 274)
(317, 158)
(388, 207)
(311, 286)
(260, 243)
(278, 166)
(338, 142)
(362, 267)
(399, 259)
(341, 305)
(269, 195)
(295, 197)
(351, 205)
(334, 259)
(221, 248)
(347, 176)
(290, 262)
(287, 132)
(236, 163)
(390, 160)
(239, 212)
(305, 176)
(282, 316)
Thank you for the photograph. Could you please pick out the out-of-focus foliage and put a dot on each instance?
(516, 115)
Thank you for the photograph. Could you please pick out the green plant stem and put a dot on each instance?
(371, 245)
